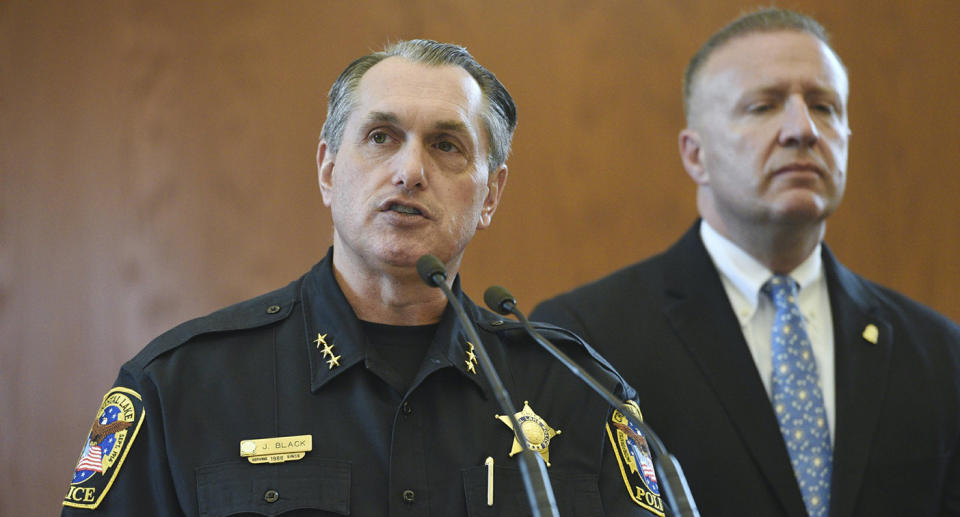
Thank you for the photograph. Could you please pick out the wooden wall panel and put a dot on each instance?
(156, 162)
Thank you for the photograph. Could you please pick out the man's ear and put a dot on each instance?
(691, 154)
(325, 161)
(495, 185)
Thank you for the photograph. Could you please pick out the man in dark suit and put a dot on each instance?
(784, 383)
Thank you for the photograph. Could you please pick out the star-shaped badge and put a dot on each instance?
(535, 429)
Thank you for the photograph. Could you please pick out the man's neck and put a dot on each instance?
(394, 296)
(779, 247)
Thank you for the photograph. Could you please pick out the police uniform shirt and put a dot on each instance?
(296, 363)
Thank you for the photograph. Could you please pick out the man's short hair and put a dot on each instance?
(763, 20)
(499, 114)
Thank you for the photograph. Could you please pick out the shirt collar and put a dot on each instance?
(745, 273)
(329, 320)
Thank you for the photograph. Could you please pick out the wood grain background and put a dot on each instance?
(157, 162)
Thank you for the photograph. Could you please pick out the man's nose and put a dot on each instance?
(798, 127)
(411, 170)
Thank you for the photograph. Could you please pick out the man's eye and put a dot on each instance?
(378, 138)
(823, 108)
(758, 108)
(445, 146)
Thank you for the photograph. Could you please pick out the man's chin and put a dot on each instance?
(404, 256)
(801, 214)
(802, 206)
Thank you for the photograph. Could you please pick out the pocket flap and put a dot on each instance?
(241, 487)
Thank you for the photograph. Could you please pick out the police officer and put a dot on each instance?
(353, 390)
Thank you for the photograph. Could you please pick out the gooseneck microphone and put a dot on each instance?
(534, 473)
(674, 484)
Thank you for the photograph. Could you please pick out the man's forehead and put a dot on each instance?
(397, 79)
(763, 58)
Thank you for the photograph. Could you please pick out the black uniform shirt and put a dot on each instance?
(296, 362)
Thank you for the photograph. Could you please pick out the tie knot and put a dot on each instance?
(781, 289)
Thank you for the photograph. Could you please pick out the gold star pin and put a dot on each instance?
(327, 350)
(535, 429)
(321, 339)
(471, 367)
(333, 361)
(871, 333)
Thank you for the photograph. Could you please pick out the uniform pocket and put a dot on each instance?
(577, 495)
(242, 488)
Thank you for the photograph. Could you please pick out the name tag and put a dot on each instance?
(276, 450)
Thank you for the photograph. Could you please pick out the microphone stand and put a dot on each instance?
(668, 469)
(532, 468)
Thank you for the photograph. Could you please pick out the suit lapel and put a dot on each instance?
(701, 315)
(863, 341)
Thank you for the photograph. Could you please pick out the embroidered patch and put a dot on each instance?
(117, 424)
(636, 464)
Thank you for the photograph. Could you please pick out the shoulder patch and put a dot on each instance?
(111, 436)
(635, 462)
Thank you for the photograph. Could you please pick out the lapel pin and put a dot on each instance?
(871, 333)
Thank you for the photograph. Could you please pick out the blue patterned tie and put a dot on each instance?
(798, 398)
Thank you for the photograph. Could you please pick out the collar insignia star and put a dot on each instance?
(471, 360)
(333, 361)
(321, 340)
(535, 429)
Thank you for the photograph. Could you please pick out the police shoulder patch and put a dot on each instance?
(636, 464)
(116, 426)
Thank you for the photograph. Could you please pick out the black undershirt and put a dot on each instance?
(400, 348)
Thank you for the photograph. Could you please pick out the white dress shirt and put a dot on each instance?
(742, 278)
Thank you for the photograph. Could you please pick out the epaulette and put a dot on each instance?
(555, 334)
(256, 312)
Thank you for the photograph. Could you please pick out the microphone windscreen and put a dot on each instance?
(429, 266)
(496, 297)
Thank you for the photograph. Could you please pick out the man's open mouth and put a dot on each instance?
(404, 209)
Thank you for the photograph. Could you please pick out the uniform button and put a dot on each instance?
(407, 410)
(409, 496)
(271, 496)
(273, 309)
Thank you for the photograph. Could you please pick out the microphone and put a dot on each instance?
(532, 469)
(671, 477)
(431, 271)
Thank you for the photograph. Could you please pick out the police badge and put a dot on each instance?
(117, 424)
(636, 464)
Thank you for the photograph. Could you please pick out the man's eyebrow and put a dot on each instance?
(390, 117)
(383, 116)
(450, 125)
(782, 89)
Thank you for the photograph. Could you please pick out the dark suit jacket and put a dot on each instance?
(666, 324)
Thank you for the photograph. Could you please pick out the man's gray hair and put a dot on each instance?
(763, 20)
(499, 114)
